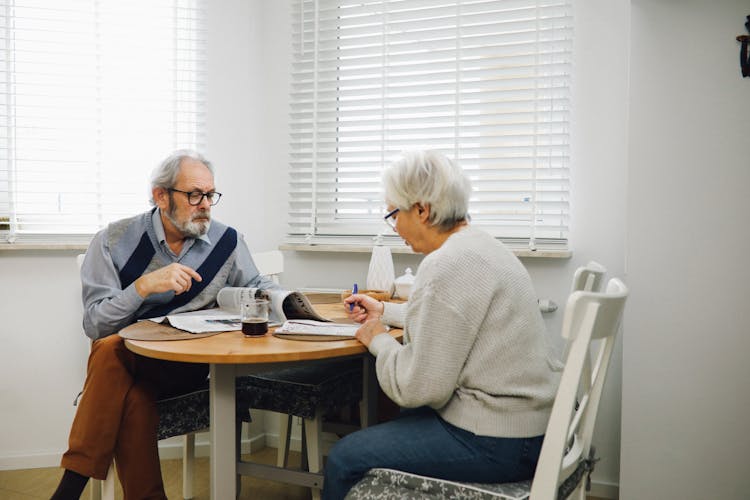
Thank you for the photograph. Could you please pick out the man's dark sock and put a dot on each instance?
(71, 486)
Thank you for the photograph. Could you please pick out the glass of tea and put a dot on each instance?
(254, 313)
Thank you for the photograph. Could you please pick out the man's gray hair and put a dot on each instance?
(165, 175)
(429, 177)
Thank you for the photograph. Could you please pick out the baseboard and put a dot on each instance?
(33, 461)
(601, 489)
(171, 450)
(168, 449)
(295, 442)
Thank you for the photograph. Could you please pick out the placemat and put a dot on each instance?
(148, 330)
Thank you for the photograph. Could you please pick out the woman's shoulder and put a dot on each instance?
(472, 244)
(464, 250)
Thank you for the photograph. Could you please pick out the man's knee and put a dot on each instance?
(140, 404)
(109, 352)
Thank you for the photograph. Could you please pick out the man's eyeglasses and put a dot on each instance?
(196, 197)
(390, 218)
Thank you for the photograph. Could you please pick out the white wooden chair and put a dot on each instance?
(269, 263)
(105, 489)
(564, 460)
(588, 278)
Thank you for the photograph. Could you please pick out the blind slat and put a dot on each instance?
(87, 109)
(484, 81)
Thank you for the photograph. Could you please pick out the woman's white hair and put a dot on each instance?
(165, 175)
(429, 177)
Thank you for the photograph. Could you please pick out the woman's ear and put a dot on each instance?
(423, 211)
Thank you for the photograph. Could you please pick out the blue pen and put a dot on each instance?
(354, 290)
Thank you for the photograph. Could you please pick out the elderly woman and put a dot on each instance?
(475, 373)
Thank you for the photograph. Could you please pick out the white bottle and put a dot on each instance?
(404, 284)
(381, 275)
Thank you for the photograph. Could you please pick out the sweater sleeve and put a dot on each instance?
(107, 308)
(393, 314)
(439, 334)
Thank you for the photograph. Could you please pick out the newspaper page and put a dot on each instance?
(203, 321)
(284, 304)
(308, 329)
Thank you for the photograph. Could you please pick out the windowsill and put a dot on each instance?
(43, 246)
(519, 252)
(301, 247)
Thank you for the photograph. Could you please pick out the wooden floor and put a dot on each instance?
(30, 484)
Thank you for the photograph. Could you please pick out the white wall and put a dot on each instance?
(677, 189)
(249, 49)
(685, 375)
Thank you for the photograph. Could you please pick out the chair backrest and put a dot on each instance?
(589, 278)
(270, 263)
(79, 263)
(588, 316)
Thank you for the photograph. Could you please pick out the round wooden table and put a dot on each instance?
(230, 354)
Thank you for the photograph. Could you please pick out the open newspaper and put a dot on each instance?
(309, 329)
(284, 304)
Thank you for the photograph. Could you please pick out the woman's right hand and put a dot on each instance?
(361, 308)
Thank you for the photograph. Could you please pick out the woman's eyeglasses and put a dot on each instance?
(390, 218)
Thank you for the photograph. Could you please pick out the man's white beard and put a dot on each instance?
(190, 228)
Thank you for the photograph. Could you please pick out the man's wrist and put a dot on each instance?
(140, 287)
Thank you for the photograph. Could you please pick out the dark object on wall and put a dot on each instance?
(744, 59)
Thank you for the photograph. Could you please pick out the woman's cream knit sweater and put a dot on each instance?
(475, 346)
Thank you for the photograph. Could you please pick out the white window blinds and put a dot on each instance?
(93, 94)
(486, 82)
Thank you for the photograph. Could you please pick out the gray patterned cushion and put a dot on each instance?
(189, 412)
(388, 484)
(301, 390)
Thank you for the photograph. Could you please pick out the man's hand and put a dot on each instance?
(175, 277)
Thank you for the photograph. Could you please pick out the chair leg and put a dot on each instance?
(313, 432)
(363, 408)
(188, 465)
(285, 434)
(96, 489)
(238, 453)
(107, 490)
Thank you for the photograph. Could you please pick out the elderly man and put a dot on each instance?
(173, 258)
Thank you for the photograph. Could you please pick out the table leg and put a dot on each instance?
(222, 433)
(369, 414)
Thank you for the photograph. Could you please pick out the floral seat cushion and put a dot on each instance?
(389, 484)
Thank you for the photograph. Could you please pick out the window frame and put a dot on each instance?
(305, 180)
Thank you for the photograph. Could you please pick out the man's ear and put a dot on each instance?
(161, 197)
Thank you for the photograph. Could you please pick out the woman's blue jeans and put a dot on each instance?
(421, 442)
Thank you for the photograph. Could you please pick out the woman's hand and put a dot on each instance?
(367, 331)
(361, 308)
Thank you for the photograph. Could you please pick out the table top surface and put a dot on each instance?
(234, 348)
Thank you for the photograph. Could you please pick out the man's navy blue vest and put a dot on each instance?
(144, 252)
